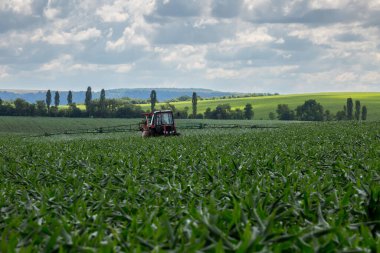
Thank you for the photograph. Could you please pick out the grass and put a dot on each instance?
(300, 188)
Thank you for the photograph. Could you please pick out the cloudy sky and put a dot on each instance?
(231, 45)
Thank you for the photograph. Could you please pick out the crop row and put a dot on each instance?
(309, 187)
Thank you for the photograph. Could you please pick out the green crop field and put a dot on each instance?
(310, 187)
(41, 125)
(264, 105)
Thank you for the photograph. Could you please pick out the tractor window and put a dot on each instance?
(158, 119)
(167, 119)
(151, 120)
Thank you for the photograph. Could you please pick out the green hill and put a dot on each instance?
(264, 105)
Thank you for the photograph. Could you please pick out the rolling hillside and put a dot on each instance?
(264, 105)
(137, 93)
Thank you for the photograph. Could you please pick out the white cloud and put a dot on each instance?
(59, 64)
(130, 37)
(116, 68)
(329, 4)
(220, 73)
(204, 21)
(244, 73)
(341, 4)
(321, 44)
(327, 35)
(18, 6)
(121, 11)
(361, 47)
(376, 56)
(135, 32)
(341, 79)
(319, 35)
(13, 39)
(257, 35)
(88, 34)
(183, 57)
(346, 77)
(289, 6)
(371, 77)
(4, 71)
(374, 5)
(66, 64)
(112, 13)
(123, 68)
(51, 13)
(64, 38)
(256, 4)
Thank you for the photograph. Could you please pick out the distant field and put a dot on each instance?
(333, 101)
(80, 106)
(41, 125)
(264, 105)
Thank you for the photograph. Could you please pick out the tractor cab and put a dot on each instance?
(159, 123)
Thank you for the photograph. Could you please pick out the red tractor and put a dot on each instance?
(158, 123)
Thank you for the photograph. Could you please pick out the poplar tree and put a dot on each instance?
(48, 100)
(88, 99)
(153, 99)
(248, 111)
(364, 113)
(357, 110)
(350, 109)
(56, 99)
(102, 95)
(194, 103)
(102, 102)
(69, 98)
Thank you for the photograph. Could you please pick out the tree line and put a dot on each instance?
(101, 107)
(189, 98)
(222, 111)
(311, 110)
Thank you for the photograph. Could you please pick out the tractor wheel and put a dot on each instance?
(145, 133)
